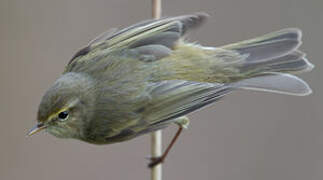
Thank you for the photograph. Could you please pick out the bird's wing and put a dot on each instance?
(175, 98)
(148, 38)
(156, 106)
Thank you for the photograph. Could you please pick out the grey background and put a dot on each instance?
(247, 136)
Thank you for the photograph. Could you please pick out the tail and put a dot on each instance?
(269, 61)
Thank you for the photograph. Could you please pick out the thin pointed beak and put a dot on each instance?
(36, 129)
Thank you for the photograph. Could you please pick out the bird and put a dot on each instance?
(140, 79)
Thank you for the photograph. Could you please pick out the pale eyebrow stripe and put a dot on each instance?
(71, 104)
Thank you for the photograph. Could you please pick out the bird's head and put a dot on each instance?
(66, 106)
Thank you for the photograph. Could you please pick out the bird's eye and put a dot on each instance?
(63, 115)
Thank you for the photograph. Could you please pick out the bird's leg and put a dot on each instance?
(156, 160)
(182, 122)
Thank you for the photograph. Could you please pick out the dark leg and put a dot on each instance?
(156, 161)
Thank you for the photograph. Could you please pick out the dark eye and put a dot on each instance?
(63, 115)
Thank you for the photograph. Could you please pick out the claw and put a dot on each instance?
(155, 161)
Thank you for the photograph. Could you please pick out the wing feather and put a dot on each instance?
(175, 98)
(164, 32)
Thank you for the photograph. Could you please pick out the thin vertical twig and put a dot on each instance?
(156, 137)
(156, 151)
(156, 9)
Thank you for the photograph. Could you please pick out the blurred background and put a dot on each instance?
(246, 136)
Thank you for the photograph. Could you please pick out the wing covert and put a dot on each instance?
(144, 35)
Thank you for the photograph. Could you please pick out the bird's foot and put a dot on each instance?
(154, 161)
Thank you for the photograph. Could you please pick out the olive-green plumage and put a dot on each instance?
(140, 79)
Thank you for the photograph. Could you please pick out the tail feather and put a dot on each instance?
(294, 62)
(295, 66)
(276, 82)
(269, 62)
(269, 46)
